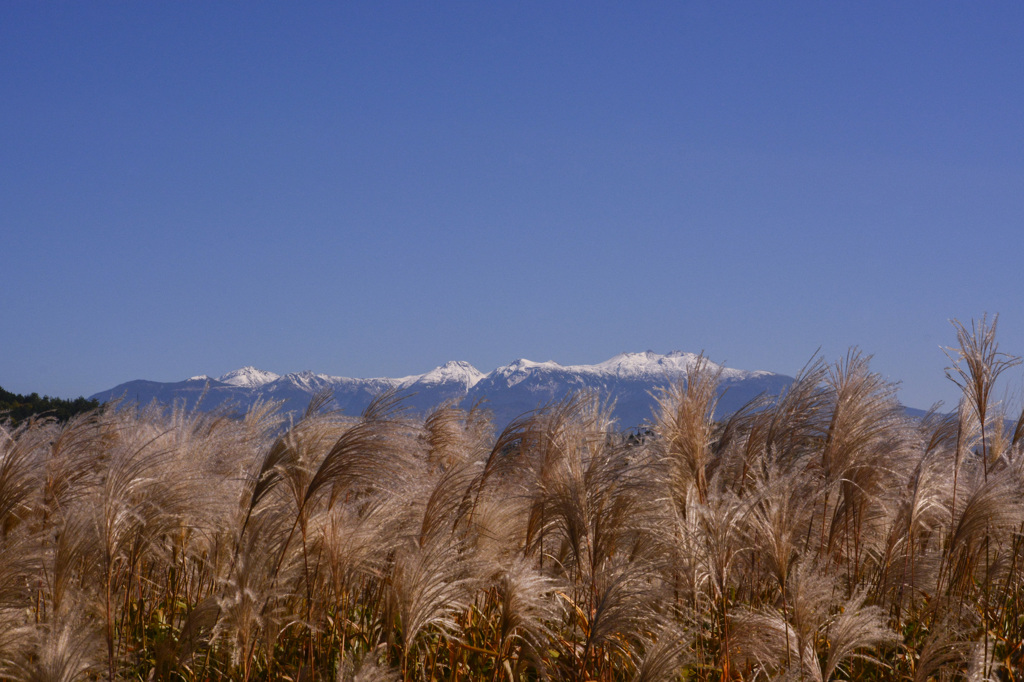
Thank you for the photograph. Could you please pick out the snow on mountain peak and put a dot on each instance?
(310, 381)
(453, 371)
(249, 377)
(673, 363)
(522, 365)
(647, 363)
(520, 369)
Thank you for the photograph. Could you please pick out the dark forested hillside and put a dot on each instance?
(17, 408)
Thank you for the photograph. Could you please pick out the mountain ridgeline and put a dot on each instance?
(630, 380)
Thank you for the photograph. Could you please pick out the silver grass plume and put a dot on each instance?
(817, 636)
(526, 606)
(685, 426)
(366, 668)
(664, 654)
(66, 652)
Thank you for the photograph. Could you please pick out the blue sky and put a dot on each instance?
(371, 189)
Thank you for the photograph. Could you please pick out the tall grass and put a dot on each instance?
(824, 535)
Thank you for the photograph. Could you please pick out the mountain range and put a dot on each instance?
(631, 380)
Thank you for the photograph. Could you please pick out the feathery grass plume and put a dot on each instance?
(67, 652)
(940, 433)
(865, 445)
(967, 432)
(496, 527)
(597, 501)
(665, 653)
(977, 364)
(394, 530)
(18, 477)
(854, 630)
(35, 494)
(16, 638)
(605, 621)
(256, 598)
(978, 663)
(496, 506)
(454, 436)
(795, 425)
(684, 572)
(1018, 431)
(999, 448)
(686, 428)
(598, 509)
(443, 434)
(720, 541)
(735, 440)
(191, 550)
(443, 506)
(865, 411)
(612, 613)
(65, 565)
(429, 585)
(281, 488)
(507, 453)
(525, 605)
(766, 642)
(182, 522)
(819, 635)
(990, 510)
(530, 453)
(18, 563)
(780, 509)
(313, 442)
(67, 464)
(504, 507)
(355, 540)
(280, 458)
(812, 598)
(211, 462)
(942, 654)
(188, 651)
(376, 452)
(367, 668)
(570, 495)
(909, 560)
(127, 507)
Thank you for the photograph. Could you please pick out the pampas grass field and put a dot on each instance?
(823, 535)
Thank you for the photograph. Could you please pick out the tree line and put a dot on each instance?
(18, 408)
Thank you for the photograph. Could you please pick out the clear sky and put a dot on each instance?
(374, 188)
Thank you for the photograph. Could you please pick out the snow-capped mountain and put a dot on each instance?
(630, 380)
(455, 372)
(248, 377)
